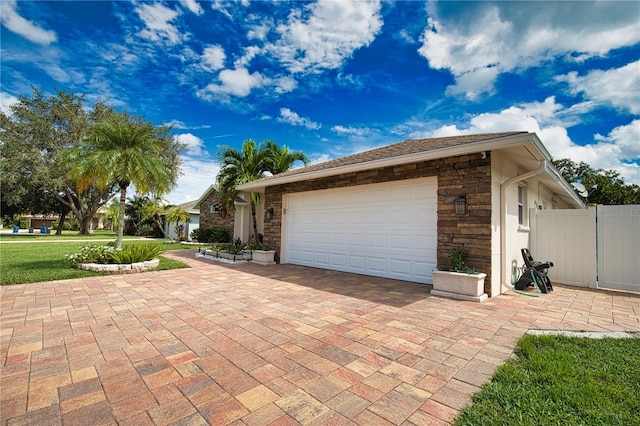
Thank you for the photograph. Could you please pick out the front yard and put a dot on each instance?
(35, 261)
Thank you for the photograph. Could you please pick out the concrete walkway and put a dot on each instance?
(252, 345)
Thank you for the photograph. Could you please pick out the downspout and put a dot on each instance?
(542, 167)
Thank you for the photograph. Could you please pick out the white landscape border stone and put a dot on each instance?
(221, 259)
(125, 268)
(587, 334)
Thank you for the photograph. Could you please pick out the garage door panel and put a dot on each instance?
(322, 258)
(356, 240)
(400, 266)
(386, 230)
(378, 241)
(356, 262)
(423, 269)
(377, 264)
(323, 238)
(339, 260)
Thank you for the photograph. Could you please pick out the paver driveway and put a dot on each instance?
(252, 345)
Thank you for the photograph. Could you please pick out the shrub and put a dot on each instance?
(144, 230)
(217, 234)
(136, 253)
(92, 254)
(130, 230)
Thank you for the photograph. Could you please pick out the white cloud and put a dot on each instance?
(197, 175)
(237, 82)
(351, 131)
(15, 23)
(485, 40)
(619, 87)
(6, 100)
(193, 6)
(326, 34)
(213, 57)
(318, 158)
(618, 150)
(250, 52)
(259, 32)
(290, 117)
(282, 84)
(157, 19)
(194, 145)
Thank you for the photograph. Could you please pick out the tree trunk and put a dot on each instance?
(255, 221)
(63, 218)
(123, 200)
(85, 225)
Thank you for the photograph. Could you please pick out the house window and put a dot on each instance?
(522, 204)
(215, 208)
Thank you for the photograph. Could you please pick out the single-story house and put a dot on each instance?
(194, 220)
(214, 214)
(398, 211)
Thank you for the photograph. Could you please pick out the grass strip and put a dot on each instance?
(559, 380)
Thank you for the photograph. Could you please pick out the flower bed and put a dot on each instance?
(222, 256)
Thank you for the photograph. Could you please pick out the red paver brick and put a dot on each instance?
(223, 409)
(263, 416)
(171, 412)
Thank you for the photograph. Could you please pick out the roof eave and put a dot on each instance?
(204, 196)
(469, 148)
(564, 185)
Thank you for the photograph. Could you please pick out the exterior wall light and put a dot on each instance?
(460, 205)
(268, 214)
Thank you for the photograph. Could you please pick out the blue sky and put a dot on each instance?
(336, 77)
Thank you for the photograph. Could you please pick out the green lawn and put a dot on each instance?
(558, 380)
(26, 263)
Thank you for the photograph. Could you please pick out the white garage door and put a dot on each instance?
(386, 230)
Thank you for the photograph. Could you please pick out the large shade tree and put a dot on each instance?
(36, 132)
(253, 162)
(128, 151)
(603, 186)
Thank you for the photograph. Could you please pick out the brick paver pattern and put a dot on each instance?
(253, 345)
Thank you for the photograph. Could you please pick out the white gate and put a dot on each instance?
(597, 247)
(619, 247)
(568, 239)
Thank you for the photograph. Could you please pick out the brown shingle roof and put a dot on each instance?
(408, 147)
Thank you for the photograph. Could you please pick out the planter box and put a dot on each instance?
(244, 256)
(457, 285)
(263, 257)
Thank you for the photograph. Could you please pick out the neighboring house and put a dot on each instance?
(212, 211)
(194, 220)
(398, 211)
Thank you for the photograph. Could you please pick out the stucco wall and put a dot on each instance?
(517, 236)
(467, 175)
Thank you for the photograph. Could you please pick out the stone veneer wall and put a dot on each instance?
(209, 220)
(467, 175)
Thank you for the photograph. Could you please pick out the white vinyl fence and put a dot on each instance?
(598, 247)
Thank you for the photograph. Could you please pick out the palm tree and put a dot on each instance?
(112, 212)
(282, 158)
(178, 216)
(126, 152)
(153, 211)
(238, 167)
